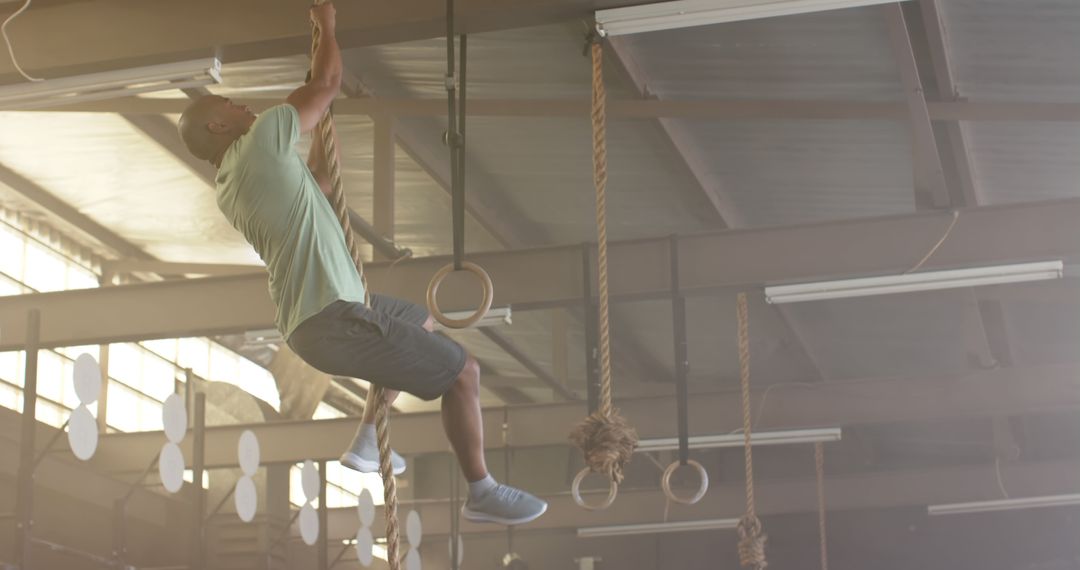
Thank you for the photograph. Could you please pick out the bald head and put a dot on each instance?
(211, 123)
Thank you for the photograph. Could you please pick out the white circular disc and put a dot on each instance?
(364, 545)
(412, 559)
(87, 378)
(309, 480)
(171, 467)
(365, 506)
(247, 500)
(174, 416)
(248, 453)
(460, 549)
(414, 531)
(309, 524)
(82, 433)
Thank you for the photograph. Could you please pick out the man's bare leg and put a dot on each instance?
(488, 500)
(463, 423)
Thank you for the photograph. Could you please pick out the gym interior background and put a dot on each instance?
(884, 140)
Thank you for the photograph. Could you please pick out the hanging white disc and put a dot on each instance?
(460, 549)
(87, 379)
(309, 524)
(414, 531)
(246, 498)
(365, 544)
(82, 433)
(174, 416)
(365, 507)
(171, 467)
(412, 559)
(309, 480)
(248, 453)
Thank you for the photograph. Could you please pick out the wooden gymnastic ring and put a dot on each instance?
(575, 490)
(665, 482)
(485, 305)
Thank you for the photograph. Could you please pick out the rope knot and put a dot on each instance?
(751, 543)
(608, 443)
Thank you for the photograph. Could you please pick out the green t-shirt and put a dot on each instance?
(267, 192)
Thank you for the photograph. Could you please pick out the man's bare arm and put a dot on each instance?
(313, 98)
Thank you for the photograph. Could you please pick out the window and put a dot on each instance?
(45, 270)
(141, 375)
(13, 245)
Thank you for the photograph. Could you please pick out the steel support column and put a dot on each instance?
(24, 498)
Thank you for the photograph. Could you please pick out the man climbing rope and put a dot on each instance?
(278, 203)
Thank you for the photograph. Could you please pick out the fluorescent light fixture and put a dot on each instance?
(690, 13)
(110, 84)
(736, 439)
(1004, 505)
(657, 528)
(496, 316)
(913, 282)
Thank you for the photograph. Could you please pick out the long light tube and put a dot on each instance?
(497, 316)
(736, 439)
(657, 528)
(1004, 505)
(914, 282)
(110, 84)
(690, 13)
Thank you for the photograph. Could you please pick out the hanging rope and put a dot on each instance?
(605, 437)
(819, 461)
(377, 396)
(751, 538)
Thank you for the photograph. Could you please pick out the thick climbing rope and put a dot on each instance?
(819, 463)
(605, 437)
(599, 125)
(377, 396)
(751, 538)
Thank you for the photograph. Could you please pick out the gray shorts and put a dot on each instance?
(385, 344)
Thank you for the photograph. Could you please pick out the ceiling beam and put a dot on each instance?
(910, 488)
(963, 191)
(124, 266)
(1018, 391)
(69, 477)
(966, 192)
(705, 109)
(110, 34)
(551, 277)
(85, 225)
(930, 189)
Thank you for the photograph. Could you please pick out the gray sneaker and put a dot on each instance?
(364, 457)
(504, 504)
